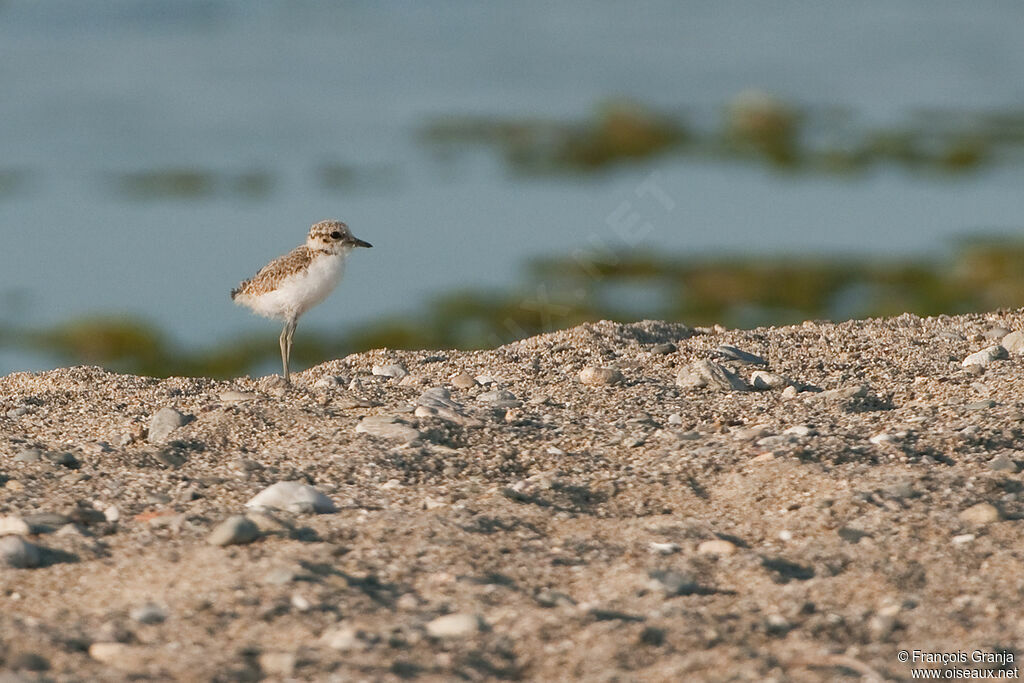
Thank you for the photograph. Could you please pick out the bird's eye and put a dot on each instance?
(336, 235)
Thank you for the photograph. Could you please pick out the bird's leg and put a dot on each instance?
(286, 336)
(291, 333)
(285, 351)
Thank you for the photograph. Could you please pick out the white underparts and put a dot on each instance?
(298, 293)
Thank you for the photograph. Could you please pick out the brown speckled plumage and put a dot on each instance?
(271, 275)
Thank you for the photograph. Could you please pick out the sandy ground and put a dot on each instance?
(527, 525)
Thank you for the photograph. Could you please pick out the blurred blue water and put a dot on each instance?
(92, 90)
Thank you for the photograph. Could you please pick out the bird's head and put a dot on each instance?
(333, 237)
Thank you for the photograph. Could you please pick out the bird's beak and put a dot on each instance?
(356, 242)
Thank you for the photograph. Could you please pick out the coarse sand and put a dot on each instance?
(613, 502)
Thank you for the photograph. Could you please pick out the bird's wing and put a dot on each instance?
(271, 275)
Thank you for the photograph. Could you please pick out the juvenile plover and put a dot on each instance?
(292, 284)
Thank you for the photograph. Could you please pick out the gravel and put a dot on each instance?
(525, 525)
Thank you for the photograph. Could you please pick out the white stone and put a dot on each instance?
(233, 396)
(799, 430)
(459, 625)
(11, 525)
(18, 553)
(396, 370)
(120, 655)
(1014, 342)
(716, 546)
(705, 373)
(277, 663)
(763, 380)
(165, 421)
(293, 496)
(340, 638)
(235, 530)
(387, 427)
(986, 356)
(664, 548)
(599, 376)
(980, 514)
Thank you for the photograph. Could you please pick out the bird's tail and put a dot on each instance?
(235, 292)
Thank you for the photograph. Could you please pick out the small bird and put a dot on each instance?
(292, 284)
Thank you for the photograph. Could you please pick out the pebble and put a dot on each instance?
(762, 379)
(985, 356)
(1014, 342)
(734, 353)
(232, 396)
(980, 514)
(499, 398)
(674, 582)
(112, 514)
(235, 530)
(996, 333)
(777, 441)
(120, 655)
(790, 392)
(387, 427)
(663, 349)
(1000, 463)
(329, 382)
(340, 638)
(664, 548)
(63, 459)
(600, 376)
(18, 553)
(148, 614)
(882, 438)
(437, 402)
(25, 661)
(716, 546)
(459, 625)
(675, 419)
(396, 370)
(279, 576)
(705, 373)
(11, 525)
(983, 404)
(961, 539)
(45, 522)
(165, 421)
(485, 380)
(277, 663)
(842, 393)
(463, 380)
(777, 624)
(751, 433)
(800, 430)
(293, 496)
(28, 455)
